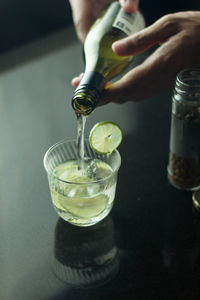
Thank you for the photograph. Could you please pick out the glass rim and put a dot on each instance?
(79, 183)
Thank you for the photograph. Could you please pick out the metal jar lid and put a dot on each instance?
(196, 199)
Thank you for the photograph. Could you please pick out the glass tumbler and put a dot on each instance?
(81, 202)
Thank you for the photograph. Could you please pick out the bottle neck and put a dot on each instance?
(87, 94)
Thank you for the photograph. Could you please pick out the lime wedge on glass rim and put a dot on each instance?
(105, 137)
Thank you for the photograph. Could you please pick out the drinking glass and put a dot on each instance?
(81, 203)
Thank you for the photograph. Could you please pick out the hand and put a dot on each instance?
(85, 12)
(178, 37)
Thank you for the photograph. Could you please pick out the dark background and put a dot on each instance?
(22, 21)
(152, 225)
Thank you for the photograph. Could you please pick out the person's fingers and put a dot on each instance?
(82, 17)
(141, 82)
(76, 80)
(146, 38)
(129, 6)
(85, 12)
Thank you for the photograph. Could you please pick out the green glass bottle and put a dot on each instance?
(101, 63)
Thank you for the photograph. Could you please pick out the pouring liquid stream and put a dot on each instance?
(81, 120)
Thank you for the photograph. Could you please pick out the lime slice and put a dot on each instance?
(80, 207)
(87, 208)
(105, 137)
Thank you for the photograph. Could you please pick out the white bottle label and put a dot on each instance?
(126, 22)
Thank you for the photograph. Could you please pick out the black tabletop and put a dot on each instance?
(148, 248)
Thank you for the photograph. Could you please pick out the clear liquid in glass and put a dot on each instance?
(85, 191)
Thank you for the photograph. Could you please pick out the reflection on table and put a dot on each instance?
(85, 257)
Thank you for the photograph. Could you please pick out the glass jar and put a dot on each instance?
(196, 200)
(184, 155)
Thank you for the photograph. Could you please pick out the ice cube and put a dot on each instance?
(71, 192)
(93, 189)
